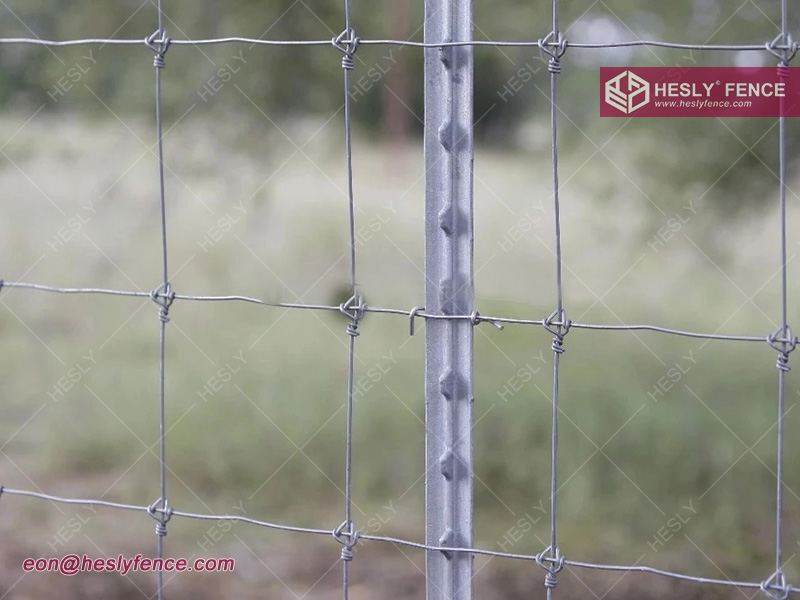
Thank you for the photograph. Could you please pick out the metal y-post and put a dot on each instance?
(448, 291)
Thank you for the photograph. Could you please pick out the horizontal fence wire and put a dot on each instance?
(476, 318)
(554, 45)
(388, 540)
(542, 42)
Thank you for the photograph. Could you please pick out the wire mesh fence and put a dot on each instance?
(555, 46)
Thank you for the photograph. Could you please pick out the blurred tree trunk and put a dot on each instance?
(396, 91)
(212, 10)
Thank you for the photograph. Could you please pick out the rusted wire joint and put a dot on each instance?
(553, 563)
(783, 341)
(163, 296)
(559, 325)
(354, 309)
(159, 42)
(554, 44)
(776, 587)
(347, 42)
(161, 511)
(347, 535)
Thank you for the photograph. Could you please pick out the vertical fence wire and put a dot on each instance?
(557, 324)
(163, 297)
(786, 343)
(347, 534)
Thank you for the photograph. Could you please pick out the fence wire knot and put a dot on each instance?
(161, 515)
(159, 42)
(554, 44)
(783, 48)
(553, 563)
(354, 309)
(164, 297)
(559, 328)
(347, 535)
(347, 42)
(783, 342)
(776, 587)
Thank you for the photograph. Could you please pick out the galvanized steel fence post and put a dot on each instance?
(448, 291)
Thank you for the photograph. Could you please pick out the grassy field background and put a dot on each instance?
(258, 208)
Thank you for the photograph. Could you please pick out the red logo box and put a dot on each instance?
(699, 92)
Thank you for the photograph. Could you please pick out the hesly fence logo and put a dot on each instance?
(699, 92)
(635, 95)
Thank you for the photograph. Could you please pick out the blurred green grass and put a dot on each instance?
(270, 439)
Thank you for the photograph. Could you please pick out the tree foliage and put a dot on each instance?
(289, 81)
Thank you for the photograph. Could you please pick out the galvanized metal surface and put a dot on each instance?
(448, 291)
